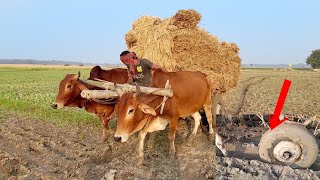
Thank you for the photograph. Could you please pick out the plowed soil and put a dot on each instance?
(33, 149)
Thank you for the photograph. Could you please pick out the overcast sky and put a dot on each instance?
(273, 31)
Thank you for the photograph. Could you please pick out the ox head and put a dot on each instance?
(69, 91)
(132, 116)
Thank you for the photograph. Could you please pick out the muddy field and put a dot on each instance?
(32, 149)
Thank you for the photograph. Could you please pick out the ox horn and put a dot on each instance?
(118, 90)
(82, 80)
(77, 75)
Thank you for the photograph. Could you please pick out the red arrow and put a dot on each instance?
(275, 121)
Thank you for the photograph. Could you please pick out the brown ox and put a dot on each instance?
(69, 94)
(139, 112)
(116, 75)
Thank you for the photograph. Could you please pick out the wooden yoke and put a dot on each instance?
(110, 90)
(98, 94)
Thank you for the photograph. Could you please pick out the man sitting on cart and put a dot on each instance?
(139, 70)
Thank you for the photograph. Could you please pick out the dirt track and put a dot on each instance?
(32, 149)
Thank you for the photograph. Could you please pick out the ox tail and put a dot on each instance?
(204, 124)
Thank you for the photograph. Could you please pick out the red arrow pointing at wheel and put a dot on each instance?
(275, 121)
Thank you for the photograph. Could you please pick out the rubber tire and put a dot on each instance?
(289, 132)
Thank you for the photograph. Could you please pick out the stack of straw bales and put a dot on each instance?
(177, 43)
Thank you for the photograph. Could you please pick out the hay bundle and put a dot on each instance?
(177, 43)
(144, 21)
(188, 19)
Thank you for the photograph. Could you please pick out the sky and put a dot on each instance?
(267, 32)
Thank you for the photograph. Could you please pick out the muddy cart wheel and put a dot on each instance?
(289, 144)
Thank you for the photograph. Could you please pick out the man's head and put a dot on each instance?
(132, 55)
(132, 58)
(124, 58)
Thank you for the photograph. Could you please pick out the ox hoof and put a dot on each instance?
(172, 154)
(140, 161)
(104, 139)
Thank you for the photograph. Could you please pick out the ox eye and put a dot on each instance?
(130, 111)
(69, 86)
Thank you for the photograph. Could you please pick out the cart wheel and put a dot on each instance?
(289, 144)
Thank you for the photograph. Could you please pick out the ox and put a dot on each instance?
(71, 86)
(139, 112)
(116, 75)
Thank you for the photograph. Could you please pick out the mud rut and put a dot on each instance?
(242, 135)
(32, 149)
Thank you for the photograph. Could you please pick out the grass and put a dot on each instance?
(30, 92)
(4, 115)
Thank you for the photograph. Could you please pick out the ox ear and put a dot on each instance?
(147, 109)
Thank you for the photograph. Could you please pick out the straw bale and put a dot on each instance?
(145, 21)
(177, 43)
(186, 19)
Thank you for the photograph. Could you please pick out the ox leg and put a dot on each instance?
(104, 136)
(103, 139)
(197, 118)
(104, 123)
(220, 144)
(142, 136)
(172, 133)
(214, 107)
(208, 111)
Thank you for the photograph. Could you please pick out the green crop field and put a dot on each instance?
(30, 92)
